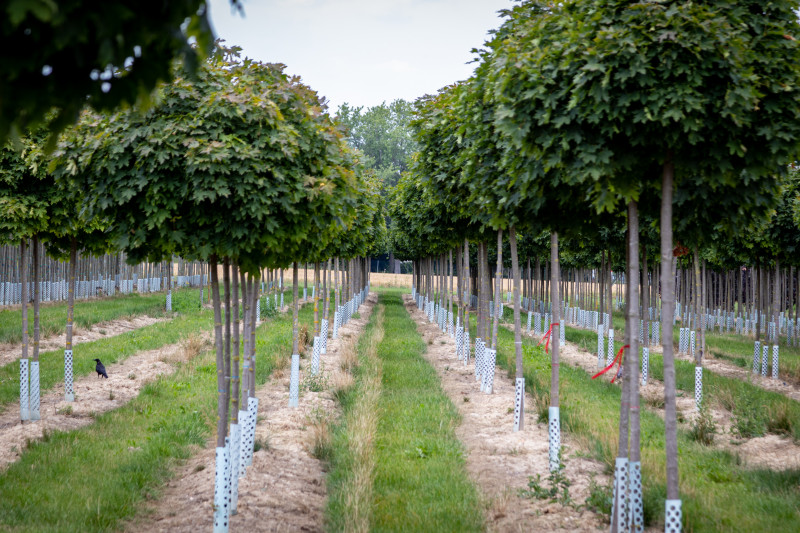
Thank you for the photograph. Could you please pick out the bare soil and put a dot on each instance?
(500, 460)
(284, 489)
(12, 352)
(93, 396)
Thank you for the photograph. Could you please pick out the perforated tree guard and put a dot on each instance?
(645, 364)
(764, 359)
(69, 392)
(236, 447)
(636, 511)
(24, 394)
(554, 437)
(466, 347)
(34, 405)
(169, 301)
(621, 492)
(775, 362)
(530, 315)
(323, 336)
(756, 354)
(315, 357)
(294, 381)
(519, 399)
(698, 387)
(600, 345)
(250, 430)
(221, 489)
(673, 521)
(610, 350)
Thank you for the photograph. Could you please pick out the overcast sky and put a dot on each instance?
(363, 52)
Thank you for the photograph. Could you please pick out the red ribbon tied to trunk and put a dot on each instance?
(546, 337)
(617, 358)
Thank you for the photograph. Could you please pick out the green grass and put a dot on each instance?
(767, 411)
(53, 316)
(109, 350)
(94, 478)
(718, 493)
(420, 480)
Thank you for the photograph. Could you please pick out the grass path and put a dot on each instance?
(420, 479)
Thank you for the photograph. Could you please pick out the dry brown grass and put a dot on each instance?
(320, 435)
(348, 356)
(302, 339)
(362, 427)
(190, 347)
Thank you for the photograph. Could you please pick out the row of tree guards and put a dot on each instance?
(563, 139)
(235, 162)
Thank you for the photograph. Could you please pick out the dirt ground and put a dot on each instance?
(770, 451)
(284, 489)
(12, 352)
(501, 460)
(92, 397)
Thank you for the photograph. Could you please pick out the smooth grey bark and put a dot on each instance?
(73, 253)
(295, 310)
(697, 300)
(467, 287)
(251, 369)
(512, 237)
(226, 277)
(634, 450)
(218, 344)
(498, 300)
(645, 298)
(235, 356)
(36, 298)
(668, 310)
(245, 335)
(555, 321)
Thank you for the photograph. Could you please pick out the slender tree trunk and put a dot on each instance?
(634, 451)
(235, 355)
(251, 369)
(517, 323)
(73, 253)
(498, 302)
(218, 343)
(316, 299)
(295, 310)
(226, 277)
(555, 325)
(668, 309)
(466, 288)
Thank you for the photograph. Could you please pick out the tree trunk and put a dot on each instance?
(251, 369)
(636, 517)
(554, 418)
(218, 344)
(295, 310)
(498, 301)
(668, 310)
(235, 355)
(517, 323)
(226, 276)
(69, 392)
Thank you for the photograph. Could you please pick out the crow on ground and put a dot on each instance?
(100, 369)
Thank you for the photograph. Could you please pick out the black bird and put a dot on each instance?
(100, 369)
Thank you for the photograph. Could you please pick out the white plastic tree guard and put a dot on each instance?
(169, 301)
(459, 339)
(756, 354)
(221, 489)
(24, 406)
(554, 437)
(250, 429)
(698, 387)
(294, 382)
(673, 522)
(621, 492)
(69, 391)
(600, 346)
(323, 336)
(236, 448)
(764, 359)
(775, 362)
(610, 351)
(636, 501)
(530, 315)
(466, 347)
(315, 357)
(488, 376)
(519, 399)
(34, 403)
(645, 364)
